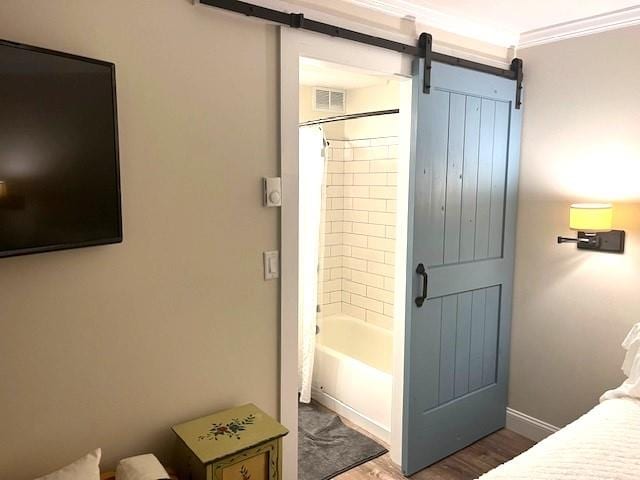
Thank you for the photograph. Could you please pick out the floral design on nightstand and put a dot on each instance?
(231, 429)
(245, 473)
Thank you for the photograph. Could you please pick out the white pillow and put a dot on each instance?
(85, 468)
(631, 368)
(632, 345)
(142, 467)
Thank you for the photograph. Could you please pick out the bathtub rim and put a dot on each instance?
(347, 358)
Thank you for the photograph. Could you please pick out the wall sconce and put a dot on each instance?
(593, 223)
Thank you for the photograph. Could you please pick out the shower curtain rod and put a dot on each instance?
(351, 116)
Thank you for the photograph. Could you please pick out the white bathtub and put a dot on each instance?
(352, 372)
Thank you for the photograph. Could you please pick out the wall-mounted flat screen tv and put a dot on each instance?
(59, 173)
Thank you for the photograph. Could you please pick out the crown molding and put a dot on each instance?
(503, 37)
(486, 33)
(578, 28)
(443, 21)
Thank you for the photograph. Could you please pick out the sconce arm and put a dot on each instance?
(572, 240)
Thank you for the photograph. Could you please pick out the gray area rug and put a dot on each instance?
(327, 447)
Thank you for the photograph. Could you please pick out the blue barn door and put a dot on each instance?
(462, 213)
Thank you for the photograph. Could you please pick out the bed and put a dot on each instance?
(603, 444)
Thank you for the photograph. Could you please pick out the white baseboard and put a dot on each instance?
(350, 414)
(528, 426)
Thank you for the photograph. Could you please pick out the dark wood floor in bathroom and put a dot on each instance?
(467, 464)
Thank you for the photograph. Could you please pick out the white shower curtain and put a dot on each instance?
(312, 171)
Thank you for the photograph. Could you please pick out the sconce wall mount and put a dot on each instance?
(611, 242)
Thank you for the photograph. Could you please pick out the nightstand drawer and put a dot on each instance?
(253, 468)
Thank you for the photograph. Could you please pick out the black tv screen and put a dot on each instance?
(59, 173)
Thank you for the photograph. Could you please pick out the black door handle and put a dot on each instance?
(425, 282)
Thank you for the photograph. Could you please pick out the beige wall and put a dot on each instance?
(110, 346)
(580, 142)
(377, 97)
(385, 96)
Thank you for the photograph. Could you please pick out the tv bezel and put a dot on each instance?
(89, 243)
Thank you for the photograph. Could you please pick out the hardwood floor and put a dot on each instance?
(467, 464)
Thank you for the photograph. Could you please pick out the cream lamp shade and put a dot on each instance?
(3, 189)
(591, 217)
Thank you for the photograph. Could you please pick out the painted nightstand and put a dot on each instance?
(242, 443)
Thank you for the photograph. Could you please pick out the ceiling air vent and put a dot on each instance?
(328, 100)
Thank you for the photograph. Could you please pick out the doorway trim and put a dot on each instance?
(293, 45)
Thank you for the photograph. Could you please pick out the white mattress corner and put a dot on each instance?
(602, 444)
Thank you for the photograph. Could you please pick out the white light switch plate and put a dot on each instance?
(271, 265)
(272, 191)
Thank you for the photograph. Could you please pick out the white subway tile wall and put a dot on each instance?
(358, 231)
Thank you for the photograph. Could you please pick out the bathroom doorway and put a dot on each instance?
(349, 138)
(347, 164)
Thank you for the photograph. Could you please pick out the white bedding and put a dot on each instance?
(604, 444)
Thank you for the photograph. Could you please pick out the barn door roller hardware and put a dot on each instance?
(422, 49)
(426, 43)
(516, 67)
